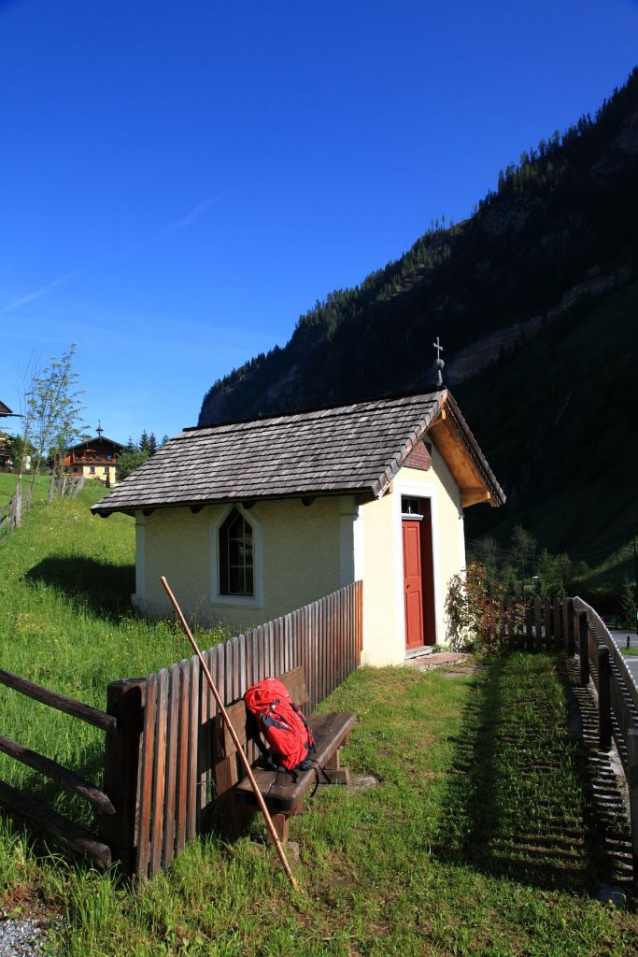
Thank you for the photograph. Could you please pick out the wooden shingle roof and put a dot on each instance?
(355, 448)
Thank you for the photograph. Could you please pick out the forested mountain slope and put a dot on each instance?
(542, 276)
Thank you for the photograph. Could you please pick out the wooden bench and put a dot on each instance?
(283, 795)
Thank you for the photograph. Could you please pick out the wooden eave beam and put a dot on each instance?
(461, 465)
(472, 496)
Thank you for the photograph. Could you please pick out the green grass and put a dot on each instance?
(8, 482)
(66, 622)
(478, 841)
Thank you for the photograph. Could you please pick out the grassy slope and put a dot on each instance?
(8, 483)
(476, 842)
(65, 622)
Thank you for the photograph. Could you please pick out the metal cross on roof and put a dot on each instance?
(439, 364)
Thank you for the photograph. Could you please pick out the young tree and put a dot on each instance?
(523, 550)
(53, 411)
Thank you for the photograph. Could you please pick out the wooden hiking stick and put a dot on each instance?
(233, 734)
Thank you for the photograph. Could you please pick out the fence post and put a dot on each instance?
(604, 699)
(583, 649)
(509, 631)
(632, 781)
(538, 624)
(125, 701)
(549, 633)
(18, 509)
(571, 641)
(557, 630)
(12, 513)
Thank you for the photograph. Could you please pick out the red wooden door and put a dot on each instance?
(412, 584)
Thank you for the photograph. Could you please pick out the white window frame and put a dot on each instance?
(251, 601)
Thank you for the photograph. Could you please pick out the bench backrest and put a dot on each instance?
(295, 682)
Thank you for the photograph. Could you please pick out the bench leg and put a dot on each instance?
(280, 822)
(229, 815)
(333, 770)
(335, 776)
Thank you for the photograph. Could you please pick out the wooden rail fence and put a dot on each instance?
(603, 663)
(575, 627)
(158, 791)
(50, 821)
(11, 514)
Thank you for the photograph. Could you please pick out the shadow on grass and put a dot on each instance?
(516, 803)
(105, 589)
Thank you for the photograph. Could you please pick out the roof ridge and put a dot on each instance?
(334, 411)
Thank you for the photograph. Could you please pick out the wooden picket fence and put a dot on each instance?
(534, 624)
(174, 791)
(158, 775)
(157, 793)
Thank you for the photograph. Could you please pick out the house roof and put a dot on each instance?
(96, 440)
(6, 411)
(355, 448)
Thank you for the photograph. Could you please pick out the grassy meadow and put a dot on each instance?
(480, 838)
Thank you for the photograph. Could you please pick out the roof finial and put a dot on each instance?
(439, 364)
(99, 429)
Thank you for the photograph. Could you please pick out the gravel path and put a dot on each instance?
(22, 937)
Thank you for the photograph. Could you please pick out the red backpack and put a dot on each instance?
(282, 724)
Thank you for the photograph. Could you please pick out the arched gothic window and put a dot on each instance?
(236, 556)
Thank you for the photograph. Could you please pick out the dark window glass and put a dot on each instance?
(237, 556)
(410, 506)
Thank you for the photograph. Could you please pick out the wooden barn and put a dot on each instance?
(250, 520)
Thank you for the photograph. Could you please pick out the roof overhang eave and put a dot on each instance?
(475, 478)
(365, 493)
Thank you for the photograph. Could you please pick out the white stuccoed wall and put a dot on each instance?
(304, 553)
(382, 561)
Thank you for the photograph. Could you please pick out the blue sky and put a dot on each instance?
(182, 179)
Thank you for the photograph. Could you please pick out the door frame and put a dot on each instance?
(424, 490)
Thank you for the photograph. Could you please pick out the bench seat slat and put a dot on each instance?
(283, 793)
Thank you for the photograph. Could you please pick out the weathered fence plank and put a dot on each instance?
(53, 823)
(146, 778)
(58, 701)
(66, 779)
(169, 808)
(182, 756)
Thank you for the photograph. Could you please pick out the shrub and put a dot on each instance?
(475, 608)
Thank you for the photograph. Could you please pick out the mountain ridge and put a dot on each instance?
(549, 251)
